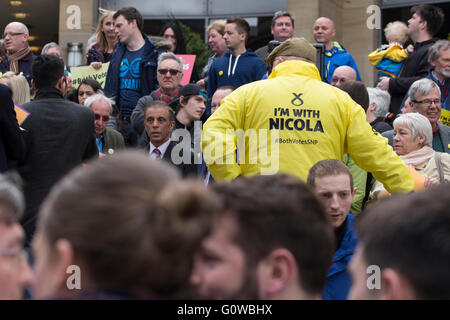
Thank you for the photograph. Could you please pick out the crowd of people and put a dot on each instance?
(259, 179)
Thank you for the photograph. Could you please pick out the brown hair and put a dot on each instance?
(280, 211)
(241, 25)
(357, 91)
(328, 167)
(126, 234)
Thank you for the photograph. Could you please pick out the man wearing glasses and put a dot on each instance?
(170, 72)
(425, 97)
(108, 139)
(15, 272)
(19, 57)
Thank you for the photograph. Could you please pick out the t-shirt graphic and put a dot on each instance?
(130, 81)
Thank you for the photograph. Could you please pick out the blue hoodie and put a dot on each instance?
(337, 56)
(229, 70)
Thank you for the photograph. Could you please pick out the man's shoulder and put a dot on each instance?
(444, 128)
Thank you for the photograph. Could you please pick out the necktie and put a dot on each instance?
(157, 153)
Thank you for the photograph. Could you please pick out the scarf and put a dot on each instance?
(166, 98)
(418, 157)
(14, 58)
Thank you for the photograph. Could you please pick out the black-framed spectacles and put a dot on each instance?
(172, 72)
(428, 102)
(12, 34)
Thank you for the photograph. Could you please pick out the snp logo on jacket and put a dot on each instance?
(130, 74)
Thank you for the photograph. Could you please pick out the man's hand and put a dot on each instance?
(383, 84)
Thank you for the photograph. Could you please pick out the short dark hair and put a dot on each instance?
(160, 104)
(279, 14)
(327, 167)
(357, 91)
(411, 234)
(241, 25)
(434, 16)
(130, 14)
(47, 69)
(280, 211)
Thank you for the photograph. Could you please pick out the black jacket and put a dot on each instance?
(24, 66)
(11, 143)
(416, 67)
(59, 135)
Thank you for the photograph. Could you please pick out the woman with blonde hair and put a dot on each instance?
(19, 87)
(106, 40)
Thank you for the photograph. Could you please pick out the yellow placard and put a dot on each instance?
(78, 74)
(445, 117)
(21, 114)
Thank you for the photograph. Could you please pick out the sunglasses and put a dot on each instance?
(173, 72)
(104, 118)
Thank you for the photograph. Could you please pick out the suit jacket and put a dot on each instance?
(112, 141)
(59, 135)
(11, 143)
(444, 134)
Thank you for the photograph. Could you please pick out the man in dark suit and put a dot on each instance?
(11, 143)
(159, 121)
(59, 135)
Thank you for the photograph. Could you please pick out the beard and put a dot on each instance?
(444, 73)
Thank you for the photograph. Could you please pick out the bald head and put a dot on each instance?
(342, 74)
(324, 31)
(15, 36)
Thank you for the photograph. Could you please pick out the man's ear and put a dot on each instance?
(277, 272)
(394, 286)
(33, 85)
(61, 85)
(372, 107)
(64, 257)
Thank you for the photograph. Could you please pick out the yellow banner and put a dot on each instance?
(80, 73)
(445, 117)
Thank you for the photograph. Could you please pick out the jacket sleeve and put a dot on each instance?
(261, 70)
(372, 153)
(12, 136)
(219, 140)
(212, 80)
(137, 117)
(401, 84)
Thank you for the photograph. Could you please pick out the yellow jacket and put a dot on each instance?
(293, 120)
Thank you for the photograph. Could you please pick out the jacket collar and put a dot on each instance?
(46, 93)
(295, 67)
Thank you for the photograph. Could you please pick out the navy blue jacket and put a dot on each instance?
(338, 282)
(148, 67)
(226, 71)
(11, 143)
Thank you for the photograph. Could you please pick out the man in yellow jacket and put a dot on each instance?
(292, 120)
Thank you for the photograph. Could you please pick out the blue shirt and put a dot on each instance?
(130, 80)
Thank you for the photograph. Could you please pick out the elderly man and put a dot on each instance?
(250, 253)
(282, 29)
(335, 55)
(439, 58)
(159, 122)
(170, 72)
(19, 57)
(15, 272)
(294, 122)
(379, 101)
(342, 74)
(425, 97)
(108, 139)
(424, 24)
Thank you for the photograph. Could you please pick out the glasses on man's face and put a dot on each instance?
(12, 34)
(173, 72)
(428, 102)
(104, 118)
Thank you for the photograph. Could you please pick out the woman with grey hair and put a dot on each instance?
(413, 143)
